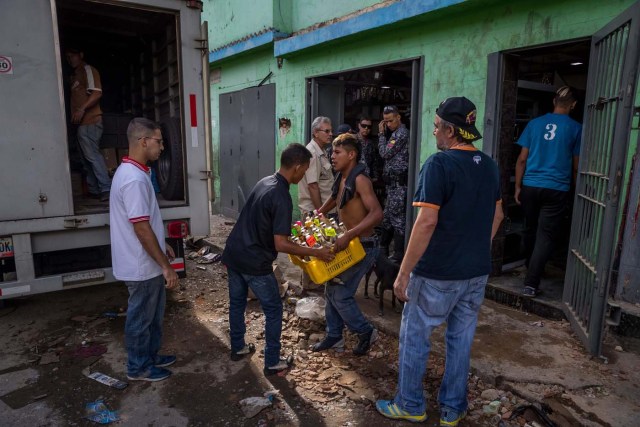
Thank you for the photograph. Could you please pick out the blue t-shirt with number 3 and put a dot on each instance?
(552, 140)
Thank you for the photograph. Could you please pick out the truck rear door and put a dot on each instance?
(34, 167)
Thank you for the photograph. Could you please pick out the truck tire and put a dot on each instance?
(170, 165)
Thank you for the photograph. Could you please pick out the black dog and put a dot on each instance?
(386, 274)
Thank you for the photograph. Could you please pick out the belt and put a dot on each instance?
(369, 242)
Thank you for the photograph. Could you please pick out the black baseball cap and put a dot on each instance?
(343, 128)
(461, 113)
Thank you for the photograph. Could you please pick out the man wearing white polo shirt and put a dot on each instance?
(140, 257)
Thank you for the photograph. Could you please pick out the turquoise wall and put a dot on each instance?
(454, 42)
(305, 13)
(231, 20)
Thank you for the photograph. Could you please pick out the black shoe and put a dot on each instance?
(530, 292)
(336, 343)
(248, 349)
(365, 341)
(104, 196)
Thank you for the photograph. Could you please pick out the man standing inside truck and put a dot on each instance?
(140, 256)
(86, 91)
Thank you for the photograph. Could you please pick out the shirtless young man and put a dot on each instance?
(359, 210)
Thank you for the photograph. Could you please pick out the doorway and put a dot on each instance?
(604, 155)
(530, 78)
(347, 96)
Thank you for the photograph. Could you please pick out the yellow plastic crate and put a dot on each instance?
(320, 271)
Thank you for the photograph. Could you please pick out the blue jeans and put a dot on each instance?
(432, 302)
(143, 328)
(266, 290)
(89, 137)
(341, 307)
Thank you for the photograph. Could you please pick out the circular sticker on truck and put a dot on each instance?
(6, 65)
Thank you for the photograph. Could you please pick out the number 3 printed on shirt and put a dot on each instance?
(551, 127)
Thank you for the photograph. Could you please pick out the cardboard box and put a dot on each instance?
(110, 157)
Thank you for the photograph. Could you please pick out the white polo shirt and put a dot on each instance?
(133, 200)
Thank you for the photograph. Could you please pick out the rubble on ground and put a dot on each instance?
(331, 381)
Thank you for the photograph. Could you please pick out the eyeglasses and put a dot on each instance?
(159, 140)
(325, 130)
(365, 126)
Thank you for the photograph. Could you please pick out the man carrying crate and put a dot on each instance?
(360, 211)
(263, 230)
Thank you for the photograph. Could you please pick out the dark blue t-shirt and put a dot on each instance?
(250, 248)
(552, 140)
(464, 185)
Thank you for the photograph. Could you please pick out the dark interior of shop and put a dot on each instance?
(367, 91)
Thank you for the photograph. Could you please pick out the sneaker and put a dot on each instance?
(529, 292)
(248, 349)
(104, 196)
(450, 417)
(164, 361)
(282, 365)
(336, 343)
(391, 410)
(365, 342)
(152, 374)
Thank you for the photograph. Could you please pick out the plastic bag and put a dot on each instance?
(252, 406)
(311, 308)
(98, 412)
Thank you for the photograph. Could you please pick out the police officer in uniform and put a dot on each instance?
(393, 146)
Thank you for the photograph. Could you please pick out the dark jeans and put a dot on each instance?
(95, 167)
(143, 327)
(341, 307)
(266, 290)
(544, 210)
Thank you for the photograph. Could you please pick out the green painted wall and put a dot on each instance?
(231, 20)
(305, 13)
(454, 43)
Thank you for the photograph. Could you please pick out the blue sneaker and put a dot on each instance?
(152, 374)
(390, 410)
(450, 417)
(162, 361)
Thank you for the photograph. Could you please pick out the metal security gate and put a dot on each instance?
(610, 93)
(247, 143)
